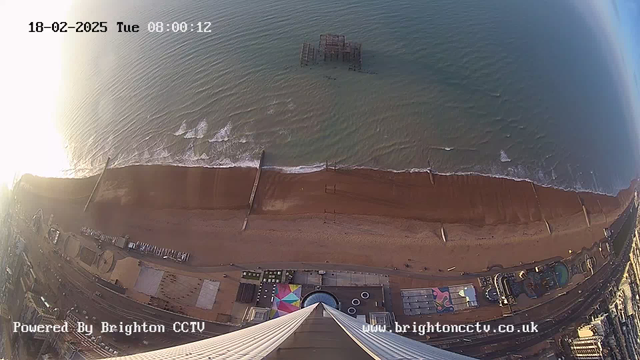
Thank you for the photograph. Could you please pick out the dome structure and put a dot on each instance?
(320, 297)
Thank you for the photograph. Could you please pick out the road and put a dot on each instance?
(80, 289)
(338, 267)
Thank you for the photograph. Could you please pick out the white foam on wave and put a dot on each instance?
(201, 161)
(445, 148)
(190, 156)
(577, 187)
(504, 157)
(190, 153)
(450, 148)
(162, 157)
(182, 129)
(161, 153)
(320, 167)
(222, 135)
(228, 163)
(298, 169)
(198, 132)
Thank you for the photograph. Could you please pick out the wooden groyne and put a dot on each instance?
(584, 211)
(97, 183)
(254, 190)
(533, 186)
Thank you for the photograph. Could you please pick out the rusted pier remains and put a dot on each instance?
(332, 48)
(307, 55)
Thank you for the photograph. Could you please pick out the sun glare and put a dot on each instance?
(31, 66)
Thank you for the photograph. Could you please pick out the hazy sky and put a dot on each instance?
(628, 22)
(628, 16)
(621, 20)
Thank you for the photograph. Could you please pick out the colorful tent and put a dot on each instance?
(286, 299)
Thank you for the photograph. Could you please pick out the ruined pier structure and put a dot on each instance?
(332, 48)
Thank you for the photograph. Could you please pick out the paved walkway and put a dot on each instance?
(338, 267)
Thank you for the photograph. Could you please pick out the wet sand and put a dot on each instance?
(455, 199)
(381, 219)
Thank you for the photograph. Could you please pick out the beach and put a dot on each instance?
(469, 199)
(381, 219)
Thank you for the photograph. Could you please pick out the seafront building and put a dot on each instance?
(592, 340)
(589, 348)
(614, 333)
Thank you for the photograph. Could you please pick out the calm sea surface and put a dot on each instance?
(512, 88)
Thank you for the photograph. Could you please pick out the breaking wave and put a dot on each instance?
(222, 135)
(198, 132)
(190, 159)
(504, 157)
(182, 129)
(298, 169)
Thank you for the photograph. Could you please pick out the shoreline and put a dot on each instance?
(450, 199)
(321, 167)
(313, 168)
